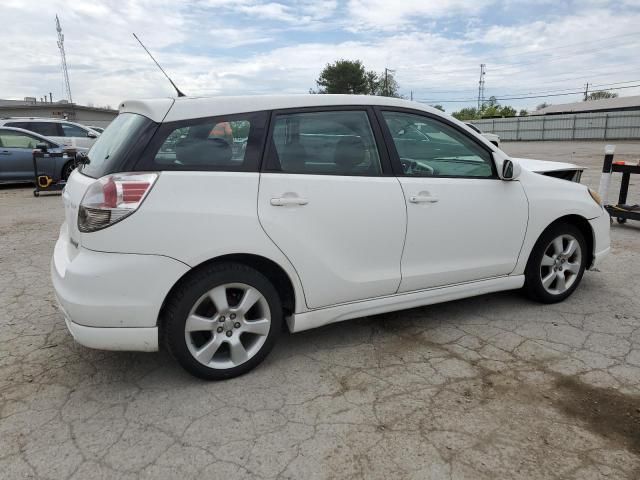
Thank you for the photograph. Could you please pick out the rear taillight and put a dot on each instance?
(112, 198)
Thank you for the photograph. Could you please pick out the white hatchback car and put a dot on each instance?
(201, 225)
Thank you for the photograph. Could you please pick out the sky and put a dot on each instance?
(224, 47)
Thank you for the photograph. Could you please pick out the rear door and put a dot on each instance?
(77, 136)
(329, 201)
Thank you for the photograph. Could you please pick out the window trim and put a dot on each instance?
(383, 153)
(253, 154)
(395, 158)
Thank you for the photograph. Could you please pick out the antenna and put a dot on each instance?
(481, 86)
(180, 94)
(65, 73)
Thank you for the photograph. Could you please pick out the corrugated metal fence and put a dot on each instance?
(575, 126)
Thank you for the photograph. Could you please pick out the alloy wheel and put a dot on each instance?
(228, 325)
(560, 265)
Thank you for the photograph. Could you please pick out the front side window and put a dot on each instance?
(219, 144)
(12, 139)
(429, 147)
(69, 130)
(324, 143)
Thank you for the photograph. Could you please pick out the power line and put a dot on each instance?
(579, 92)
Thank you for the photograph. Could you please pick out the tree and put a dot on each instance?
(600, 94)
(507, 111)
(387, 85)
(542, 105)
(469, 113)
(351, 77)
(490, 109)
(439, 107)
(523, 113)
(345, 76)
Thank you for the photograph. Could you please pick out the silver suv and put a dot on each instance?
(68, 134)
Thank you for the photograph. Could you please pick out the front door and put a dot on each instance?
(16, 157)
(464, 223)
(328, 200)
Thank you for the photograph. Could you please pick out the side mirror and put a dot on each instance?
(92, 135)
(510, 169)
(43, 147)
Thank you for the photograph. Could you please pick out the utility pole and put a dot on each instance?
(586, 92)
(63, 57)
(481, 86)
(385, 90)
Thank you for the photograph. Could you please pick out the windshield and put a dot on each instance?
(124, 138)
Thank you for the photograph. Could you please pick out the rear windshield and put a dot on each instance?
(120, 145)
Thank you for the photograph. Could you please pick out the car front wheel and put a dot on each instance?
(556, 264)
(222, 321)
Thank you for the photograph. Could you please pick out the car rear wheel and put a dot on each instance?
(222, 321)
(556, 264)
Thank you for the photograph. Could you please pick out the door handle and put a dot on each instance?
(284, 201)
(422, 198)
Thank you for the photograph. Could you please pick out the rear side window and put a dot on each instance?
(232, 143)
(48, 129)
(324, 143)
(120, 146)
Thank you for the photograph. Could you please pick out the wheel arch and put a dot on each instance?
(582, 224)
(269, 268)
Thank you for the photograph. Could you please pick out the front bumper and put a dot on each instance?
(601, 239)
(111, 301)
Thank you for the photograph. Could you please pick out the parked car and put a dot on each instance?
(16, 155)
(492, 137)
(97, 129)
(335, 209)
(63, 132)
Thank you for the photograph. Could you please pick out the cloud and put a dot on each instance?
(212, 47)
(390, 15)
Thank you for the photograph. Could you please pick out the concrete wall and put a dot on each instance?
(576, 126)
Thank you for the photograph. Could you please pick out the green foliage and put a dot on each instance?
(469, 113)
(439, 107)
(601, 94)
(490, 109)
(523, 113)
(345, 76)
(351, 77)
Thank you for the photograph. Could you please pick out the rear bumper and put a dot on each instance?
(111, 301)
(127, 339)
(602, 243)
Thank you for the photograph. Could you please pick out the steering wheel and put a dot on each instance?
(410, 167)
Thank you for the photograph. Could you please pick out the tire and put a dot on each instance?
(206, 327)
(542, 281)
(621, 220)
(66, 170)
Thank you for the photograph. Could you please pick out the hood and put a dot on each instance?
(540, 166)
